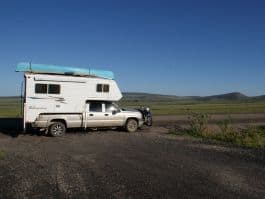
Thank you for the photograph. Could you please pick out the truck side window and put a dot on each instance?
(41, 88)
(109, 107)
(54, 89)
(95, 107)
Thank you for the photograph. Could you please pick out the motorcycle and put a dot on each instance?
(147, 115)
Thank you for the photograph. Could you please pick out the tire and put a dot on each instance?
(57, 129)
(149, 121)
(131, 125)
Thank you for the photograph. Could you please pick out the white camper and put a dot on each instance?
(56, 101)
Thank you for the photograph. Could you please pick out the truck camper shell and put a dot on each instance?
(61, 89)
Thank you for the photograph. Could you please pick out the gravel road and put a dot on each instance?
(114, 164)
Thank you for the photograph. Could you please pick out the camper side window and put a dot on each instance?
(106, 88)
(102, 88)
(54, 89)
(47, 88)
(41, 88)
(99, 87)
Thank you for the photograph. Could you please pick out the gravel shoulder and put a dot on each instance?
(115, 164)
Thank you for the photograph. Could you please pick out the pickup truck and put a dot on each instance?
(98, 114)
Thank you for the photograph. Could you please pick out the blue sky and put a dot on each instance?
(170, 47)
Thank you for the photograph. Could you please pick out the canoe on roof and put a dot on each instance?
(67, 70)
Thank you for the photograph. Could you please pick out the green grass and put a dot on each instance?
(252, 137)
(10, 107)
(183, 107)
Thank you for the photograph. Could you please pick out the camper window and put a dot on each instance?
(106, 88)
(99, 87)
(54, 89)
(47, 88)
(41, 88)
(103, 88)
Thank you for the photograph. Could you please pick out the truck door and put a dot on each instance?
(113, 115)
(95, 114)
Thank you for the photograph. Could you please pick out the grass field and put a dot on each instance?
(10, 107)
(183, 107)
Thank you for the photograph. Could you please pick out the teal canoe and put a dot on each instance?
(68, 70)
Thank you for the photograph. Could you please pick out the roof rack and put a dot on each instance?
(63, 70)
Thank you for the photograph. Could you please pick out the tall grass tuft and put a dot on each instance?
(198, 123)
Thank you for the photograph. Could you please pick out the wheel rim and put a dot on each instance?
(57, 130)
(132, 125)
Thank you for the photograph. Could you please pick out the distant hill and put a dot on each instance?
(235, 96)
(10, 98)
(136, 96)
(131, 96)
(227, 96)
(262, 97)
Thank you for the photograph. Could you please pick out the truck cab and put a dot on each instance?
(108, 114)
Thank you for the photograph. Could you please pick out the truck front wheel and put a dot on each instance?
(57, 129)
(131, 125)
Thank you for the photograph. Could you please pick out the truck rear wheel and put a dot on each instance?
(131, 125)
(57, 129)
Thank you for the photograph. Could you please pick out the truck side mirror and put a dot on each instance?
(114, 112)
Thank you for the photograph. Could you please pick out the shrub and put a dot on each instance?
(198, 123)
(226, 126)
(253, 137)
(249, 137)
(228, 133)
